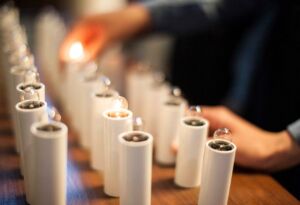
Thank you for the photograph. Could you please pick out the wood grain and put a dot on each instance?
(85, 186)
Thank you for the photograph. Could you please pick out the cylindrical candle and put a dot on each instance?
(137, 83)
(170, 114)
(135, 168)
(17, 76)
(116, 121)
(101, 101)
(50, 148)
(70, 98)
(157, 94)
(193, 133)
(39, 88)
(29, 111)
(87, 86)
(217, 172)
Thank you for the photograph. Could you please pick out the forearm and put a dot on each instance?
(123, 24)
(181, 17)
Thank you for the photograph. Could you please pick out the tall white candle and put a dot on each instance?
(170, 114)
(193, 133)
(28, 112)
(116, 121)
(50, 148)
(101, 101)
(217, 172)
(137, 83)
(157, 94)
(17, 76)
(135, 168)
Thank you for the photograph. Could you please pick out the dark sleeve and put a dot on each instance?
(185, 16)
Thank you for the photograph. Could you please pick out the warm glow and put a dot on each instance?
(119, 102)
(76, 51)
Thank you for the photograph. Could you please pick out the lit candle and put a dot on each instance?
(76, 52)
(101, 101)
(70, 82)
(116, 121)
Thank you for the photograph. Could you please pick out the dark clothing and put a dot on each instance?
(273, 98)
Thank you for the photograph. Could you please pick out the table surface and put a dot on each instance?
(85, 186)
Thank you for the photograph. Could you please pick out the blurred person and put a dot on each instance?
(265, 86)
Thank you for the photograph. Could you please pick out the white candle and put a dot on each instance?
(29, 111)
(193, 133)
(154, 99)
(116, 121)
(50, 148)
(135, 168)
(217, 172)
(169, 118)
(17, 76)
(101, 101)
(138, 83)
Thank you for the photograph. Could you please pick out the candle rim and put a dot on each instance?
(41, 85)
(105, 114)
(30, 110)
(48, 135)
(135, 144)
(221, 151)
(195, 117)
(110, 91)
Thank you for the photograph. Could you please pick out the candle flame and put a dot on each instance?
(76, 51)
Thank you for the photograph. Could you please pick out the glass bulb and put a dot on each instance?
(104, 83)
(119, 102)
(30, 93)
(138, 124)
(176, 92)
(76, 51)
(194, 111)
(53, 114)
(31, 76)
(223, 133)
(27, 60)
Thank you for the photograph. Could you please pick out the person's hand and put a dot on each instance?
(95, 33)
(90, 33)
(256, 148)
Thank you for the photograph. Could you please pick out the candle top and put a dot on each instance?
(49, 128)
(104, 95)
(31, 105)
(221, 145)
(117, 114)
(34, 86)
(174, 102)
(135, 137)
(194, 122)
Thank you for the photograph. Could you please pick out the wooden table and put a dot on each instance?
(85, 186)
